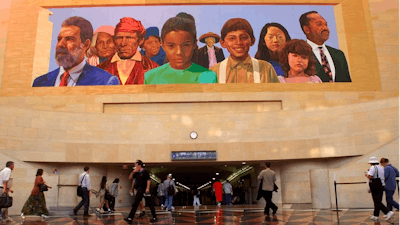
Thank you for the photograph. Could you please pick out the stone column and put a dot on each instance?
(320, 194)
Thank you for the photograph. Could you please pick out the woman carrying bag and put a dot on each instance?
(36, 203)
(377, 183)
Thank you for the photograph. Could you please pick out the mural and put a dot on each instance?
(130, 50)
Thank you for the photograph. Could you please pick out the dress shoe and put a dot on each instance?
(274, 210)
(153, 220)
(128, 220)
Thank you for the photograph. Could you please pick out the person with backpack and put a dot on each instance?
(376, 178)
(170, 190)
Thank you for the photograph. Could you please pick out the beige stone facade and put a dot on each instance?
(333, 127)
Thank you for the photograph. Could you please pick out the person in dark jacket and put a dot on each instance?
(209, 55)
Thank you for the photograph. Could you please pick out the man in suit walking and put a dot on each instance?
(332, 64)
(73, 41)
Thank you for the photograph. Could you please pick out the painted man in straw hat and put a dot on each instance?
(209, 55)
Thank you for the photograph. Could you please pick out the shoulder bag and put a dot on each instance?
(5, 201)
(375, 183)
(43, 188)
(79, 190)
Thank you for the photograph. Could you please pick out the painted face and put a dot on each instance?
(105, 45)
(238, 44)
(317, 31)
(210, 41)
(69, 49)
(152, 46)
(297, 63)
(127, 44)
(179, 47)
(275, 39)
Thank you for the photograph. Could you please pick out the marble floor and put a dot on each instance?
(238, 214)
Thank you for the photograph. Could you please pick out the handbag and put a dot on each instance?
(5, 201)
(108, 196)
(375, 183)
(79, 190)
(43, 187)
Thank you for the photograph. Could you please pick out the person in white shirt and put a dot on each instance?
(377, 172)
(5, 187)
(331, 63)
(84, 182)
(228, 192)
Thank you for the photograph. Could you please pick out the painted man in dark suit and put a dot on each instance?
(209, 55)
(72, 43)
(331, 63)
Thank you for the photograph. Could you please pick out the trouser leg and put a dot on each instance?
(267, 197)
(378, 206)
(138, 199)
(390, 201)
(150, 204)
(86, 201)
(228, 198)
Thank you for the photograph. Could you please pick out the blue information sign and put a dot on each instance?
(194, 155)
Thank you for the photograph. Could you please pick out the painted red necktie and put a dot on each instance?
(325, 64)
(64, 80)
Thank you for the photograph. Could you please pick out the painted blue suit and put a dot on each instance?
(90, 76)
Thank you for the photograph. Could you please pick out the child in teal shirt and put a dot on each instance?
(178, 38)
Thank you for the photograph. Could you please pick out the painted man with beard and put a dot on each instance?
(72, 43)
(331, 63)
(128, 64)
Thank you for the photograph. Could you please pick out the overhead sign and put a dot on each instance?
(193, 155)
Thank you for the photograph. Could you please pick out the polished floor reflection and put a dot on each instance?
(243, 214)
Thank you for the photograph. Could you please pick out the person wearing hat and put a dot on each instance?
(102, 46)
(128, 64)
(377, 173)
(151, 46)
(209, 55)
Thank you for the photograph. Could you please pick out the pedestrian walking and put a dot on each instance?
(228, 192)
(142, 178)
(36, 203)
(5, 188)
(376, 176)
(104, 194)
(161, 194)
(391, 173)
(268, 179)
(114, 193)
(217, 189)
(84, 182)
(169, 190)
(196, 197)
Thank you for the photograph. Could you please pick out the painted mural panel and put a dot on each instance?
(145, 45)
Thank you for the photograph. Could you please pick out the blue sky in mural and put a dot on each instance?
(208, 18)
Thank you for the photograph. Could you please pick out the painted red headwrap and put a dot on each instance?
(128, 24)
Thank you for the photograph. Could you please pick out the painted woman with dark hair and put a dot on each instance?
(273, 38)
(298, 63)
(36, 203)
